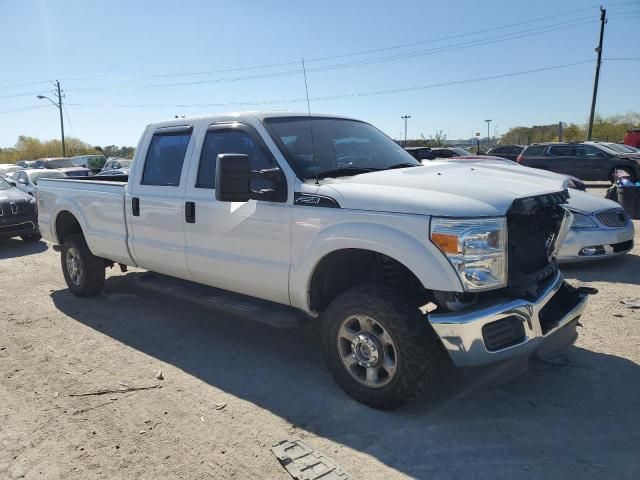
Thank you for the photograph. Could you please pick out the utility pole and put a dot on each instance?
(603, 20)
(58, 105)
(488, 134)
(64, 151)
(405, 117)
(559, 131)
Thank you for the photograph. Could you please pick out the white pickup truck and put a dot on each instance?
(408, 268)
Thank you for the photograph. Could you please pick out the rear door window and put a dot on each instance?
(165, 157)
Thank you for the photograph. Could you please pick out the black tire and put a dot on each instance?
(30, 238)
(417, 353)
(88, 278)
(612, 175)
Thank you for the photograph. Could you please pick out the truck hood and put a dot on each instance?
(440, 189)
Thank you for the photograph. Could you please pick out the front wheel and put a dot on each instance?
(83, 271)
(378, 348)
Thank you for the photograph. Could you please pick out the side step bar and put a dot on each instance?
(263, 311)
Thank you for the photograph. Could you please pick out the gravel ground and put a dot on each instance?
(232, 388)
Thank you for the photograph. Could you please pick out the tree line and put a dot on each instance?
(31, 148)
(609, 129)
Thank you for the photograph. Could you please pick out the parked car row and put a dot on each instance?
(584, 160)
(79, 166)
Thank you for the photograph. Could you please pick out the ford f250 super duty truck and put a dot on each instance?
(408, 268)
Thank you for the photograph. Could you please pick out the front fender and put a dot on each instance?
(421, 257)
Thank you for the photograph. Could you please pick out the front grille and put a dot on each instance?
(613, 218)
(622, 246)
(503, 333)
(14, 212)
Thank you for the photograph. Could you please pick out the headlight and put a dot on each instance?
(582, 221)
(477, 249)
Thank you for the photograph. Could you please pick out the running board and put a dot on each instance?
(263, 311)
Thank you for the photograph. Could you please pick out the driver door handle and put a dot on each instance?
(190, 212)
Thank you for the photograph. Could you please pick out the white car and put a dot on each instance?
(284, 217)
(27, 180)
(7, 169)
(600, 229)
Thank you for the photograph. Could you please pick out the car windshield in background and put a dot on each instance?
(125, 163)
(619, 148)
(38, 175)
(462, 152)
(337, 148)
(3, 184)
(61, 163)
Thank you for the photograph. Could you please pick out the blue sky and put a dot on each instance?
(129, 53)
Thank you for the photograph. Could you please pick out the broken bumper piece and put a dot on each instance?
(511, 328)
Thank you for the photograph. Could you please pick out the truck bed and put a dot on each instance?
(99, 207)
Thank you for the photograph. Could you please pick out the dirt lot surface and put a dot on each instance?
(232, 388)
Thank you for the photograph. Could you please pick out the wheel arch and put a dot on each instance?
(392, 250)
(66, 224)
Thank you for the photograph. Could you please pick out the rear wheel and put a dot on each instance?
(83, 271)
(378, 348)
(32, 237)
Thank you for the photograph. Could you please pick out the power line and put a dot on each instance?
(447, 48)
(343, 96)
(337, 56)
(11, 110)
(17, 85)
(66, 114)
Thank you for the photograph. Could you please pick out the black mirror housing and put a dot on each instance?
(233, 178)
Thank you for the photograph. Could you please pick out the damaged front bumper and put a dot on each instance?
(506, 329)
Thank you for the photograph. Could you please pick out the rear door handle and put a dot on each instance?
(190, 212)
(135, 206)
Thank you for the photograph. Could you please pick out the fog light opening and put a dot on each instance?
(592, 251)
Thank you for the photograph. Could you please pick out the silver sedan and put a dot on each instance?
(600, 229)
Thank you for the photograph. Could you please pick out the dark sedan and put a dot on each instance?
(18, 214)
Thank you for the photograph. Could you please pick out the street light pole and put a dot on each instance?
(488, 133)
(405, 117)
(58, 105)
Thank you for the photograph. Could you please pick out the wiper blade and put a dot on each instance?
(345, 171)
(402, 165)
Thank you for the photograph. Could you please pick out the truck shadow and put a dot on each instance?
(557, 420)
(14, 247)
(622, 269)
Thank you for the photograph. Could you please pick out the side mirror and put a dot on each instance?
(233, 178)
(12, 182)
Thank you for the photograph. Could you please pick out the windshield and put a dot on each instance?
(125, 163)
(462, 152)
(38, 175)
(3, 184)
(61, 163)
(340, 147)
(619, 148)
